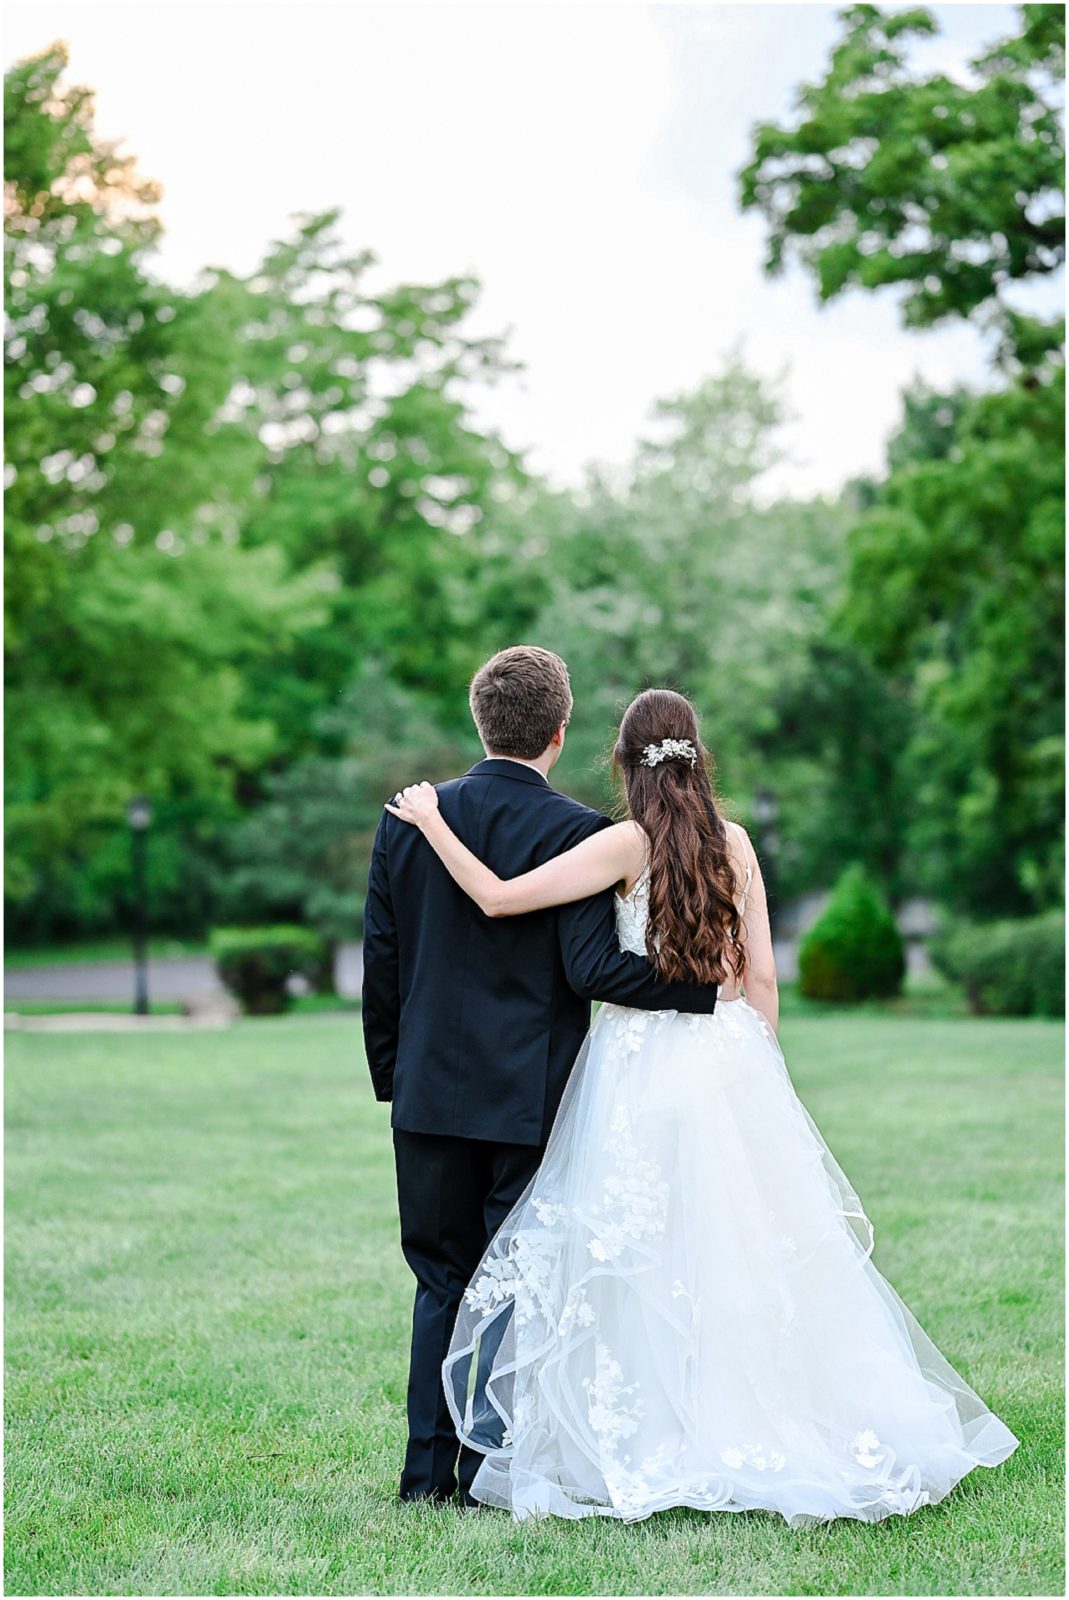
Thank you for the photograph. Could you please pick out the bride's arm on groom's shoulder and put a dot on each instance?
(613, 855)
(759, 974)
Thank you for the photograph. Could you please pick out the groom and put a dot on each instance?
(472, 1024)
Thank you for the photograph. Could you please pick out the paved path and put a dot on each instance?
(178, 978)
(170, 978)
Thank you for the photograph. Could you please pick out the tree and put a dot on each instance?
(374, 465)
(952, 191)
(303, 853)
(678, 574)
(954, 593)
(222, 503)
(956, 589)
(836, 750)
(131, 605)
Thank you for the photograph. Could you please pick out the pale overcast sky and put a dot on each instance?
(579, 158)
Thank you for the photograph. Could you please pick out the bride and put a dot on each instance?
(682, 1308)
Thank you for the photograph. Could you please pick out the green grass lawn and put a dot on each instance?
(109, 1008)
(207, 1323)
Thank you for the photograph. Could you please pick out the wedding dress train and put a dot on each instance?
(682, 1308)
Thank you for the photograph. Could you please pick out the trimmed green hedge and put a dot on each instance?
(853, 951)
(254, 964)
(1008, 969)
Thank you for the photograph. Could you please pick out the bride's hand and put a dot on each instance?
(414, 804)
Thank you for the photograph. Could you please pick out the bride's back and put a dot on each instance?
(632, 908)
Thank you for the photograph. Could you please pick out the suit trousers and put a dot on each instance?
(453, 1194)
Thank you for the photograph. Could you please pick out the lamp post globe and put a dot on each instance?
(138, 813)
(765, 807)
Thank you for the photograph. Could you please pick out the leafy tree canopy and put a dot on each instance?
(951, 190)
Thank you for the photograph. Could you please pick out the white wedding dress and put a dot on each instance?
(682, 1309)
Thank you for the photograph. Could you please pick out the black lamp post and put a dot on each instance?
(139, 815)
(766, 812)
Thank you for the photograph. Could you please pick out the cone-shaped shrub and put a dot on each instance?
(853, 951)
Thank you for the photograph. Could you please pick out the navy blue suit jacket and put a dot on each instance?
(472, 1023)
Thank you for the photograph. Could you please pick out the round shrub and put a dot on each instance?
(1008, 969)
(853, 951)
(255, 963)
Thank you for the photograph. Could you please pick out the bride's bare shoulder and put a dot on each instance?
(634, 853)
(631, 838)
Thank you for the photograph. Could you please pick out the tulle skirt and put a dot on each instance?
(682, 1309)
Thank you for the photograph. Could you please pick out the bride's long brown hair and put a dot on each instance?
(693, 933)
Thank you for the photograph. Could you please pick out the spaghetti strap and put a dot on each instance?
(746, 888)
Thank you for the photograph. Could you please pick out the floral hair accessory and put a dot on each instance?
(668, 750)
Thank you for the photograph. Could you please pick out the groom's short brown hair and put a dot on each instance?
(519, 699)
